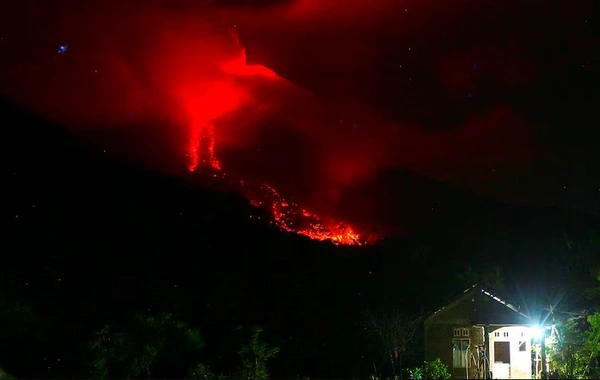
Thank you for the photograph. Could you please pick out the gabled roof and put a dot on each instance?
(477, 289)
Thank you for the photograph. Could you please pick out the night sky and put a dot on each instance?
(496, 98)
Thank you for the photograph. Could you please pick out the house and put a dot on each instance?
(478, 325)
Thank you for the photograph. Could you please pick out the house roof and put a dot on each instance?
(513, 315)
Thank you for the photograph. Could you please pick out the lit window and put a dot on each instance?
(460, 353)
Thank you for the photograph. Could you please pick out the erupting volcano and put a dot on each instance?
(353, 99)
(207, 101)
(287, 214)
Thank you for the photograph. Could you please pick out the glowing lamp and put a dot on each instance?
(537, 332)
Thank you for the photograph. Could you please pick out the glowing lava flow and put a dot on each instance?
(202, 148)
(287, 215)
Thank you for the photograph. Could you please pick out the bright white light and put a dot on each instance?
(537, 332)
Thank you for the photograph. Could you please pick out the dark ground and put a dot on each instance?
(88, 240)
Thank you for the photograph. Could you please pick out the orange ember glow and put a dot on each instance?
(289, 216)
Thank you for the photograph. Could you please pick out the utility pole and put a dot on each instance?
(486, 342)
(544, 369)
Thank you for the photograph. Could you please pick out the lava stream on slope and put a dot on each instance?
(287, 215)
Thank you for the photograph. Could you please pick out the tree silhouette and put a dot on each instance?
(255, 354)
(148, 345)
(392, 330)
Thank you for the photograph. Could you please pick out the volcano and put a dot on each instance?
(204, 104)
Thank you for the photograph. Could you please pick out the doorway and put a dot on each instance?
(502, 360)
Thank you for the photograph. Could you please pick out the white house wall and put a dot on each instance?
(517, 337)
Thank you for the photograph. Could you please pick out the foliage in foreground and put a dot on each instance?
(434, 370)
(159, 346)
(577, 353)
(146, 346)
(254, 355)
(391, 331)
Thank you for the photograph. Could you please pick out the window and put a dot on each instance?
(522, 346)
(458, 332)
(460, 353)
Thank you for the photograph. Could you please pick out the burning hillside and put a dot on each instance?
(287, 214)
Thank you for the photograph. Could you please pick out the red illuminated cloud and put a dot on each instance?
(184, 66)
(337, 48)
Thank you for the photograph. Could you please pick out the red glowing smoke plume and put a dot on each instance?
(340, 94)
(207, 101)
